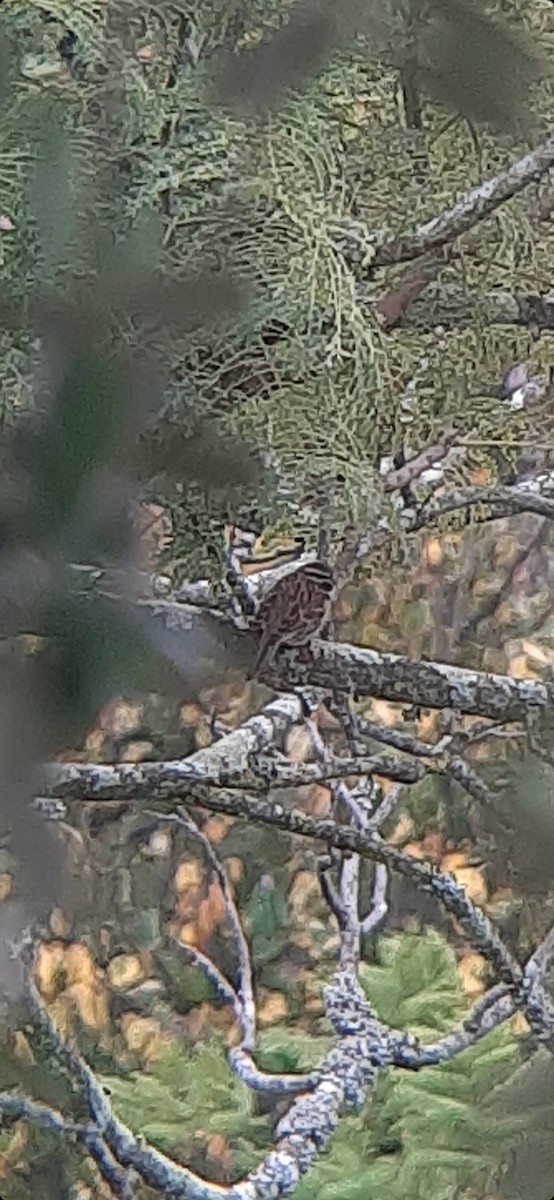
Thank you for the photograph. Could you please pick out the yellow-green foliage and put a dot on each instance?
(304, 370)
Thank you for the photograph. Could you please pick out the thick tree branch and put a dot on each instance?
(238, 760)
(393, 677)
(369, 673)
(474, 206)
(228, 761)
(159, 782)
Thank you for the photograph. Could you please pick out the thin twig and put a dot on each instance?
(245, 991)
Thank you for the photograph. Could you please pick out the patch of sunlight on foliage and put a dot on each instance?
(416, 986)
(352, 1170)
(285, 1050)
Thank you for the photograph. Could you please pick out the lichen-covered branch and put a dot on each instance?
(159, 782)
(393, 677)
(363, 1045)
(129, 1151)
(344, 900)
(228, 762)
(474, 206)
(17, 1105)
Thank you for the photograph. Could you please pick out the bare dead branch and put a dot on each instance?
(543, 955)
(344, 902)
(364, 672)
(400, 740)
(330, 893)
(161, 782)
(14, 1104)
(454, 764)
(450, 895)
(490, 1011)
(244, 1067)
(128, 1151)
(379, 907)
(390, 801)
(468, 778)
(224, 989)
(474, 206)
(427, 457)
(239, 1058)
(164, 782)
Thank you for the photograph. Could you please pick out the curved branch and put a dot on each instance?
(244, 994)
(128, 1150)
(495, 1007)
(449, 894)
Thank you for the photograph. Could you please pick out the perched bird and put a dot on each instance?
(514, 385)
(518, 387)
(294, 610)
